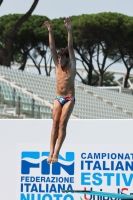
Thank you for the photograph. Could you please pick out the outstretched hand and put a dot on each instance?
(67, 23)
(48, 25)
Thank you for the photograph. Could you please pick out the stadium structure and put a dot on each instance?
(26, 95)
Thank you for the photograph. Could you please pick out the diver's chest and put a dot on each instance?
(64, 72)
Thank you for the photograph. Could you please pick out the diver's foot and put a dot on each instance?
(49, 159)
(54, 159)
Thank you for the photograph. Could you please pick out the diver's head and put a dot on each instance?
(63, 56)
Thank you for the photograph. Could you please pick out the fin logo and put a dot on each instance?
(37, 159)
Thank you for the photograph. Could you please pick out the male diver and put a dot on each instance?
(65, 63)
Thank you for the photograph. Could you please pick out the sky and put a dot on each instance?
(61, 8)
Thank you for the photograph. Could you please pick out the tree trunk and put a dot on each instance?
(45, 65)
(1, 56)
(24, 62)
(83, 81)
(1, 2)
(37, 66)
(39, 70)
(10, 36)
(90, 76)
(4, 58)
(18, 24)
(127, 77)
(100, 83)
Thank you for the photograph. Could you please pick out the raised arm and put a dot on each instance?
(67, 23)
(52, 43)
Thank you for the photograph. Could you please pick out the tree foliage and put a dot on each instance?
(94, 35)
(100, 40)
(5, 50)
(123, 47)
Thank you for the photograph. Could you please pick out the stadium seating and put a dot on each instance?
(120, 101)
(37, 93)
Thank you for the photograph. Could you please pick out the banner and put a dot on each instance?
(84, 167)
(96, 155)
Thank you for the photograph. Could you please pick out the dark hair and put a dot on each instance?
(64, 52)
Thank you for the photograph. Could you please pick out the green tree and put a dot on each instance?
(123, 47)
(32, 41)
(60, 33)
(5, 55)
(94, 36)
(30, 36)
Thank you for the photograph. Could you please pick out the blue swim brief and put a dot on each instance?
(64, 99)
